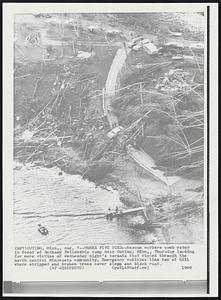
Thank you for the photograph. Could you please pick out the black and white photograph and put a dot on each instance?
(109, 128)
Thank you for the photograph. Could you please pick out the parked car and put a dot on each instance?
(115, 131)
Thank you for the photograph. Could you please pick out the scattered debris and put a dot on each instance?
(84, 55)
(27, 135)
(173, 82)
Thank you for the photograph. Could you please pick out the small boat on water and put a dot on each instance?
(43, 230)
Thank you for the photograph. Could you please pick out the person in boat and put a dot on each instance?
(43, 230)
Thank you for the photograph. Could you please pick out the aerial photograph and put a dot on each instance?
(108, 134)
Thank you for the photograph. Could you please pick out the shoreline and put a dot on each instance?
(78, 168)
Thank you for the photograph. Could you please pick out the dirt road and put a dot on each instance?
(116, 66)
(141, 158)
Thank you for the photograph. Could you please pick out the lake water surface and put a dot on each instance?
(67, 206)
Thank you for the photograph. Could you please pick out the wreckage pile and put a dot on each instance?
(174, 82)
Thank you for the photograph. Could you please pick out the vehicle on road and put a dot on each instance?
(115, 131)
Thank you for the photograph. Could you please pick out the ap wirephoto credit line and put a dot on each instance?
(110, 152)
